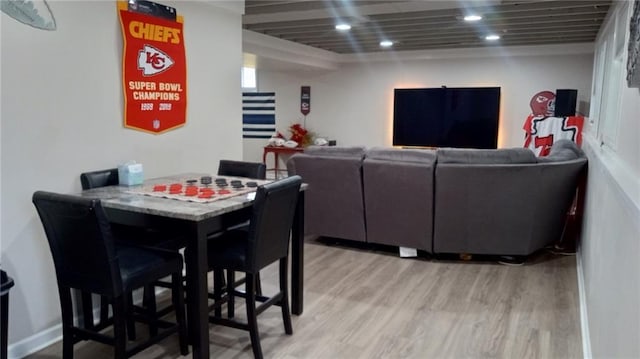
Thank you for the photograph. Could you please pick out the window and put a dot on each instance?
(249, 79)
(598, 79)
(608, 78)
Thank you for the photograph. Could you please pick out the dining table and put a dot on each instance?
(130, 205)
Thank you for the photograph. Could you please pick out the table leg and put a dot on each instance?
(275, 165)
(275, 159)
(197, 308)
(297, 258)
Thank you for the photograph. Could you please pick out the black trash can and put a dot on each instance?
(6, 283)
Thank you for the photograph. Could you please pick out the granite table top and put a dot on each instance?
(122, 198)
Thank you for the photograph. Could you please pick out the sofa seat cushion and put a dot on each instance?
(477, 156)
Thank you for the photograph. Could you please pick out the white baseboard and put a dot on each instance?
(584, 319)
(35, 342)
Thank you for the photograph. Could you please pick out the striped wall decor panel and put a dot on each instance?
(258, 114)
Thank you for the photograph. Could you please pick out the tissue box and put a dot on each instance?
(130, 174)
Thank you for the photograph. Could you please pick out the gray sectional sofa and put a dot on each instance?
(495, 202)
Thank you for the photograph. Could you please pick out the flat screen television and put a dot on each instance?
(463, 117)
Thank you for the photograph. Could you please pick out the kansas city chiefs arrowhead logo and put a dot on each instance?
(153, 61)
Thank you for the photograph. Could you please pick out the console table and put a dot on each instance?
(277, 150)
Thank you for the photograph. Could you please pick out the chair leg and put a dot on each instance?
(284, 302)
(218, 282)
(252, 319)
(258, 285)
(177, 298)
(128, 310)
(231, 301)
(67, 322)
(104, 310)
(149, 304)
(87, 309)
(120, 310)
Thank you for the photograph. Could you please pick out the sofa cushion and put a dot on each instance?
(335, 151)
(402, 155)
(563, 150)
(477, 156)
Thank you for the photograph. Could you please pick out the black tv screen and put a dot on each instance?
(464, 117)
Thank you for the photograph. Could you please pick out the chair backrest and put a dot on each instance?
(271, 221)
(95, 179)
(81, 243)
(255, 170)
(334, 202)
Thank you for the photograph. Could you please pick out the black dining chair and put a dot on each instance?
(129, 235)
(266, 241)
(239, 219)
(164, 238)
(87, 258)
(255, 170)
(101, 178)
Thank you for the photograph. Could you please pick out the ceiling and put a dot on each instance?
(426, 24)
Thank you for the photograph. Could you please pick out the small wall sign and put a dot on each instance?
(305, 100)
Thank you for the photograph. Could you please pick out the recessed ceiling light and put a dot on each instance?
(343, 27)
(492, 37)
(472, 18)
(386, 43)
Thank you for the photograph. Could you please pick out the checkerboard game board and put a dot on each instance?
(202, 190)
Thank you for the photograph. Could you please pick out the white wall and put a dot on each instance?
(610, 245)
(62, 115)
(354, 104)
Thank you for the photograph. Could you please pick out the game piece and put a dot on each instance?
(159, 188)
(224, 191)
(191, 181)
(251, 184)
(205, 180)
(191, 191)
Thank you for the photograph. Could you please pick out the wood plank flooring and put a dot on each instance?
(363, 303)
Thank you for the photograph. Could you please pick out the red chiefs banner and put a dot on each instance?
(154, 71)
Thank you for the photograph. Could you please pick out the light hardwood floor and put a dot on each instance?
(362, 303)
